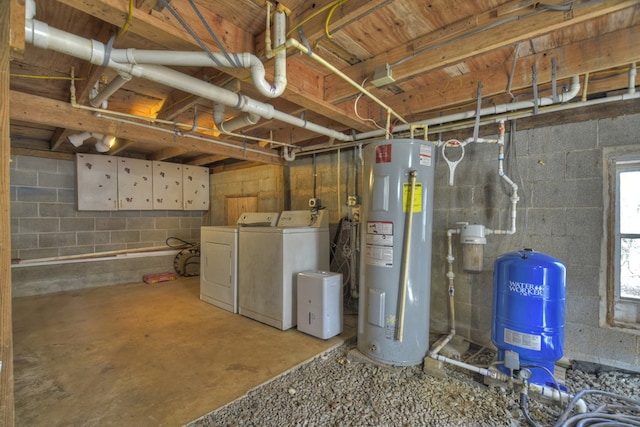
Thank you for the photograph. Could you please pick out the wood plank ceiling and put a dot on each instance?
(438, 52)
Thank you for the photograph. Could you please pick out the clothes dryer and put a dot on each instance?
(219, 259)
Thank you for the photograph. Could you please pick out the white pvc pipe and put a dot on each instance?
(496, 375)
(632, 79)
(41, 35)
(202, 59)
(514, 187)
(288, 154)
(238, 122)
(558, 396)
(439, 345)
(497, 109)
(120, 80)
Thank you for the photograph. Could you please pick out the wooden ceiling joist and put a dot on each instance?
(459, 49)
(61, 114)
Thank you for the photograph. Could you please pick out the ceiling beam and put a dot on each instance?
(307, 90)
(167, 153)
(7, 395)
(604, 52)
(162, 28)
(346, 14)
(16, 28)
(206, 159)
(457, 49)
(120, 145)
(59, 136)
(61, 114)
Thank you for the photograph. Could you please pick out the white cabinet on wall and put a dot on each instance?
(167, 186)
(97, 177)
(108, 183)
(135, 188)
(195, 180)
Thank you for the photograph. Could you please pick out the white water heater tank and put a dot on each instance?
(395, 278)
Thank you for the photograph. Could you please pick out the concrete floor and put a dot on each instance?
(142, 355)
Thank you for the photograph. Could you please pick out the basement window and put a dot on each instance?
(624, 253)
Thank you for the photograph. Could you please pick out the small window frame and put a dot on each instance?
(622, 312)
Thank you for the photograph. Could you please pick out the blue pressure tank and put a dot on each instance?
(529, 312)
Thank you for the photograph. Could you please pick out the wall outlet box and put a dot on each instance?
(314, 202)
(382, 76)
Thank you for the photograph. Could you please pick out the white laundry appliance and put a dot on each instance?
(320, 303)
(219, 259)
(271, 257)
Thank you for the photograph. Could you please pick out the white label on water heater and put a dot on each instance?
(519, 339)
(426, 154)
(380, 256)
(379, 250)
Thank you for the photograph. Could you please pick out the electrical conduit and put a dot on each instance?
(406, 254)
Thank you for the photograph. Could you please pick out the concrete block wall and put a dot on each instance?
(333, 174)
(561, 173)
(45, 223)
(266, 182)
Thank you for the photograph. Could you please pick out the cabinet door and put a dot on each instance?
(195, 180)
(135, 189)
(167, 186)
(97, 177)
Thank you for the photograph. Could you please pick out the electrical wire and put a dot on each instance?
(355, 110)
(191, 32)
(627, 412)
(33, 76)
(215, 38)
(329, 15)
(313, 15)
(525, 410)
(127, 23)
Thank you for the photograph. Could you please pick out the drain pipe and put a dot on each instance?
(444, 340)
(632, 79)
(233, 124)
(41, 35)
(120, 80)
(202, 59)
(574, 88)
(514, 187)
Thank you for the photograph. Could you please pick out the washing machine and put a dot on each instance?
(271, 257)
(219, 259)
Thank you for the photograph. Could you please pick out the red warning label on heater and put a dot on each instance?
(383, 153)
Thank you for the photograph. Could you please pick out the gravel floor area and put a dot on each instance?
(332, 390)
